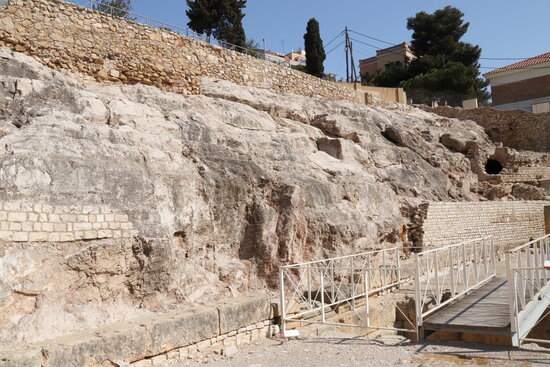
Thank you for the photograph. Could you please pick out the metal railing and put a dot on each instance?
(529, 291)
(317, 287)
(444, 274)
(308, 291)
(138, 18)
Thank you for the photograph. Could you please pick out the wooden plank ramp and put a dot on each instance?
(485, 311)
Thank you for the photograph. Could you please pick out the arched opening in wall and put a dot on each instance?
(493, 167)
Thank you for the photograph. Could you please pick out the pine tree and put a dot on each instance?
(118, 8)
(315, 52)
(445, 67)
(219, 18)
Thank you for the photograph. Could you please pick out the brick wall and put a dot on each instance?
(507, 221)
(516, 129)
(62, 35)
(34, 222)
(521, 91)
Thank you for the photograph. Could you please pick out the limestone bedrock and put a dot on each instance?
(220, 188)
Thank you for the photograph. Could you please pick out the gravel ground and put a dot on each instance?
(337, 349)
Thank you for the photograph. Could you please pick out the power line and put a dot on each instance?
(373, 38)
(334, 39)
(340, 44)
(505, 58)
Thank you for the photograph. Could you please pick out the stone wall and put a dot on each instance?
(63, 35)
(516, 129)
(527, 174)
(508, 222)
(35, 222)
(155, 340)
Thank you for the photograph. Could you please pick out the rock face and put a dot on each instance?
(222, 188)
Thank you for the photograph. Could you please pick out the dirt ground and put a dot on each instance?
(334, 348)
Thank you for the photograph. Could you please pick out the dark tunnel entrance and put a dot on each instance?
(493, 167)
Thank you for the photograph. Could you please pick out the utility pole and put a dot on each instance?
(265, 49)
(350, 66)
(347, 57)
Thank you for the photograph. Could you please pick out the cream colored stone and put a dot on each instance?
(6, 235)
(17, 216)
(54, 218)
(54, 237)
(67, 236)
(68, 218)
(38, 236)
(20, 236)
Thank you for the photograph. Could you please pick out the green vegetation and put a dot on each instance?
(315, 51)
(445, 68)
(118, 8)
(221, 19)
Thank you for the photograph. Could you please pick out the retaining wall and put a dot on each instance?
(152, 341)
(446, 223)
(63, 35)
(527, 174)
(516, 129)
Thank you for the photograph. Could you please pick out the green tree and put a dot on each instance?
(392, 75)
(219, 18)
(118, 8)
(445, 67)
(315, 51)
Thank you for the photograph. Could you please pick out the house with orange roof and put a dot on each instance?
(523, 85)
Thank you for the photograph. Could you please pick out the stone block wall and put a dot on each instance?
(516, 129)
(527, 174)
(63, 35)
(157, 340)
(35, 222)
(446, 223)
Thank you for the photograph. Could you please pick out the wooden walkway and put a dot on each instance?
(485, 311)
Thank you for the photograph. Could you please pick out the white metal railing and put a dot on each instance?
(444, 274)
(311, 289)
(529, 291)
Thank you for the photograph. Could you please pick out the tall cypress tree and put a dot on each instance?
(315, 52)
(219, 18)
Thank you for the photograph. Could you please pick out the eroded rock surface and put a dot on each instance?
(221, 187)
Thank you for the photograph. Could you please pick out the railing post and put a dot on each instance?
(417, 291)
(485, 267)
(384, 267)
(464, 267)
(352, 278)
(452, 272)
(367, 306)
(437, 285)
(511, 292)
(322, 284)
(476, 270)
(398, 267)
(282, 298)
(332, 287)
(493, 256)
(308, 271)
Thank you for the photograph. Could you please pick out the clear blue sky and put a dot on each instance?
(503, 28)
